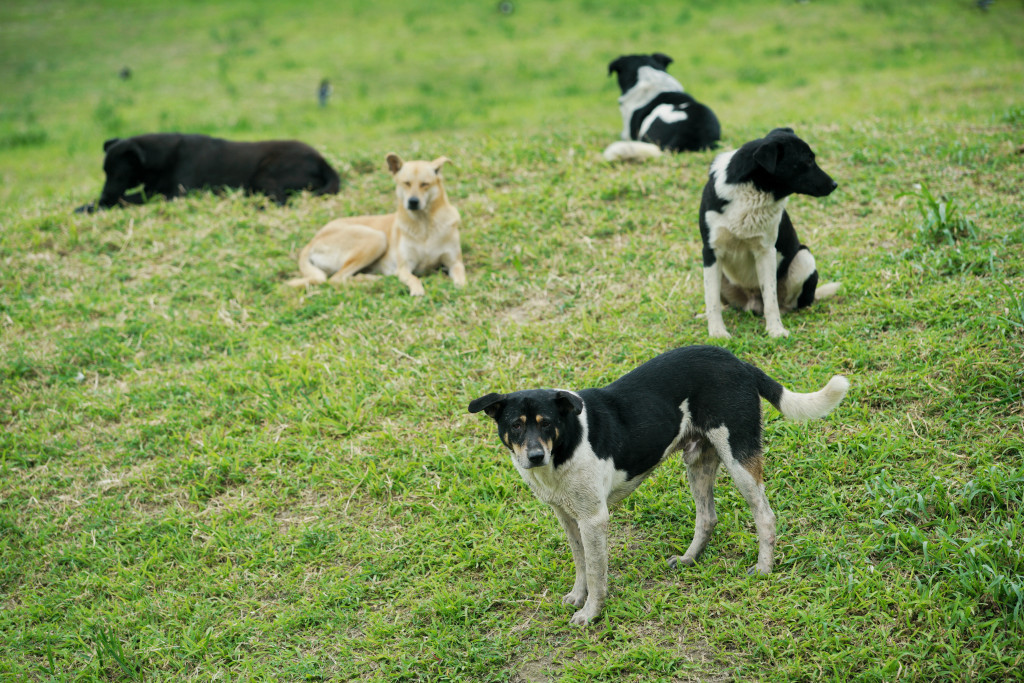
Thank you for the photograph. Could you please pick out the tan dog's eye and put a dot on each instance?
(424, 186)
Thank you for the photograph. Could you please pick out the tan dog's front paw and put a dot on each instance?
(416, 289)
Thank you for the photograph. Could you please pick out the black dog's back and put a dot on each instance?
(634, 419)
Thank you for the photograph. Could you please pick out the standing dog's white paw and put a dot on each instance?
(576, 598)
(585, 616)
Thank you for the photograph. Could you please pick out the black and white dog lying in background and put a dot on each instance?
(753, 259)
(583, 451)
(171, 164)
(656, 114)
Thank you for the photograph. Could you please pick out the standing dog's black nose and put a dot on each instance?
(535, 456)
(413, 203)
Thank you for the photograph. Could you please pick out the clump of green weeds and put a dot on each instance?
(942, 220)
(946, 240)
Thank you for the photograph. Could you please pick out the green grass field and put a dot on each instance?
(206, 475)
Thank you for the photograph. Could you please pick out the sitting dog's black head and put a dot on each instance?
(538, 426)
(627, 66)
(780, 163)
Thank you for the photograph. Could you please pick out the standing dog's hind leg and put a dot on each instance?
(749, 479)
(701, 473)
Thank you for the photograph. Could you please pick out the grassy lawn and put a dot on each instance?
(205, 474)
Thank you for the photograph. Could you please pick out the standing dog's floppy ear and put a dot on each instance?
(394, 163)
(568, 402)
(662, 58)
(492, 404)
(438, 163)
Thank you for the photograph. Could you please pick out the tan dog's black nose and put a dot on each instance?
(413, 203)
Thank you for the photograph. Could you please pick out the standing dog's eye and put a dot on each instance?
(517, 426)
(544, 423)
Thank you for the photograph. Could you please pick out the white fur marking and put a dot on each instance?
(667, 113)
(650, 83)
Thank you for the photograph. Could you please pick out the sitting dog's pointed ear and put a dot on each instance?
(767, 156)
(439, 162)
(394, 163)
(492, 404)
(662, 58)
(568, 402)
(614, 65)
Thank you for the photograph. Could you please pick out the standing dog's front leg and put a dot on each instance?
(767, 263)
(578, 595)
(594, 533)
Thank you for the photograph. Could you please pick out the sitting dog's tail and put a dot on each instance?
(631, 150)
(826, 291)
(796, 406)
(311, 274)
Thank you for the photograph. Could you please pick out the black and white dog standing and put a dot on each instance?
(656, 113)
(581, 452)
(753, 259)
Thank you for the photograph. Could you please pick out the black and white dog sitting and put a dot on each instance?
(583, 451)
(753, 259)
(656, 114)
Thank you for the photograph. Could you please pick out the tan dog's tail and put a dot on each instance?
(826, 291)
(631, 150)
(311, 274)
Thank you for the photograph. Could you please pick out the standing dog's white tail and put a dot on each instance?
(794, 406)
(631, 150)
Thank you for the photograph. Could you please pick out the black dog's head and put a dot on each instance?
(783, 164)
(536, 425)
(124, 166)
(130, 162)
(627, 67)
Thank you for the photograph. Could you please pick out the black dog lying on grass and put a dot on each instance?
(171, 164)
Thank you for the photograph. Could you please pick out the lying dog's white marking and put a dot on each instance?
(668, 113)
(650, 83)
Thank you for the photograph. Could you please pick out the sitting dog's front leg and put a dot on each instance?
(578, 595)
(713, 301)
(767, 264)
(594, 533)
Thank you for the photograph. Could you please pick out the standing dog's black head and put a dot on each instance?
(627, 67)
(539, 426)
(780, 163)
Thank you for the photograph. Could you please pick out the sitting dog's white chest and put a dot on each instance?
(747, 226)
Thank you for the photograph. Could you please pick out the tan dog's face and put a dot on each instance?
(417, 183)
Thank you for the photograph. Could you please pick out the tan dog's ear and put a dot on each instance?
(394, 163)
(439, 162)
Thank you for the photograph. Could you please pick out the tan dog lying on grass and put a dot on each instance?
(422, 235)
